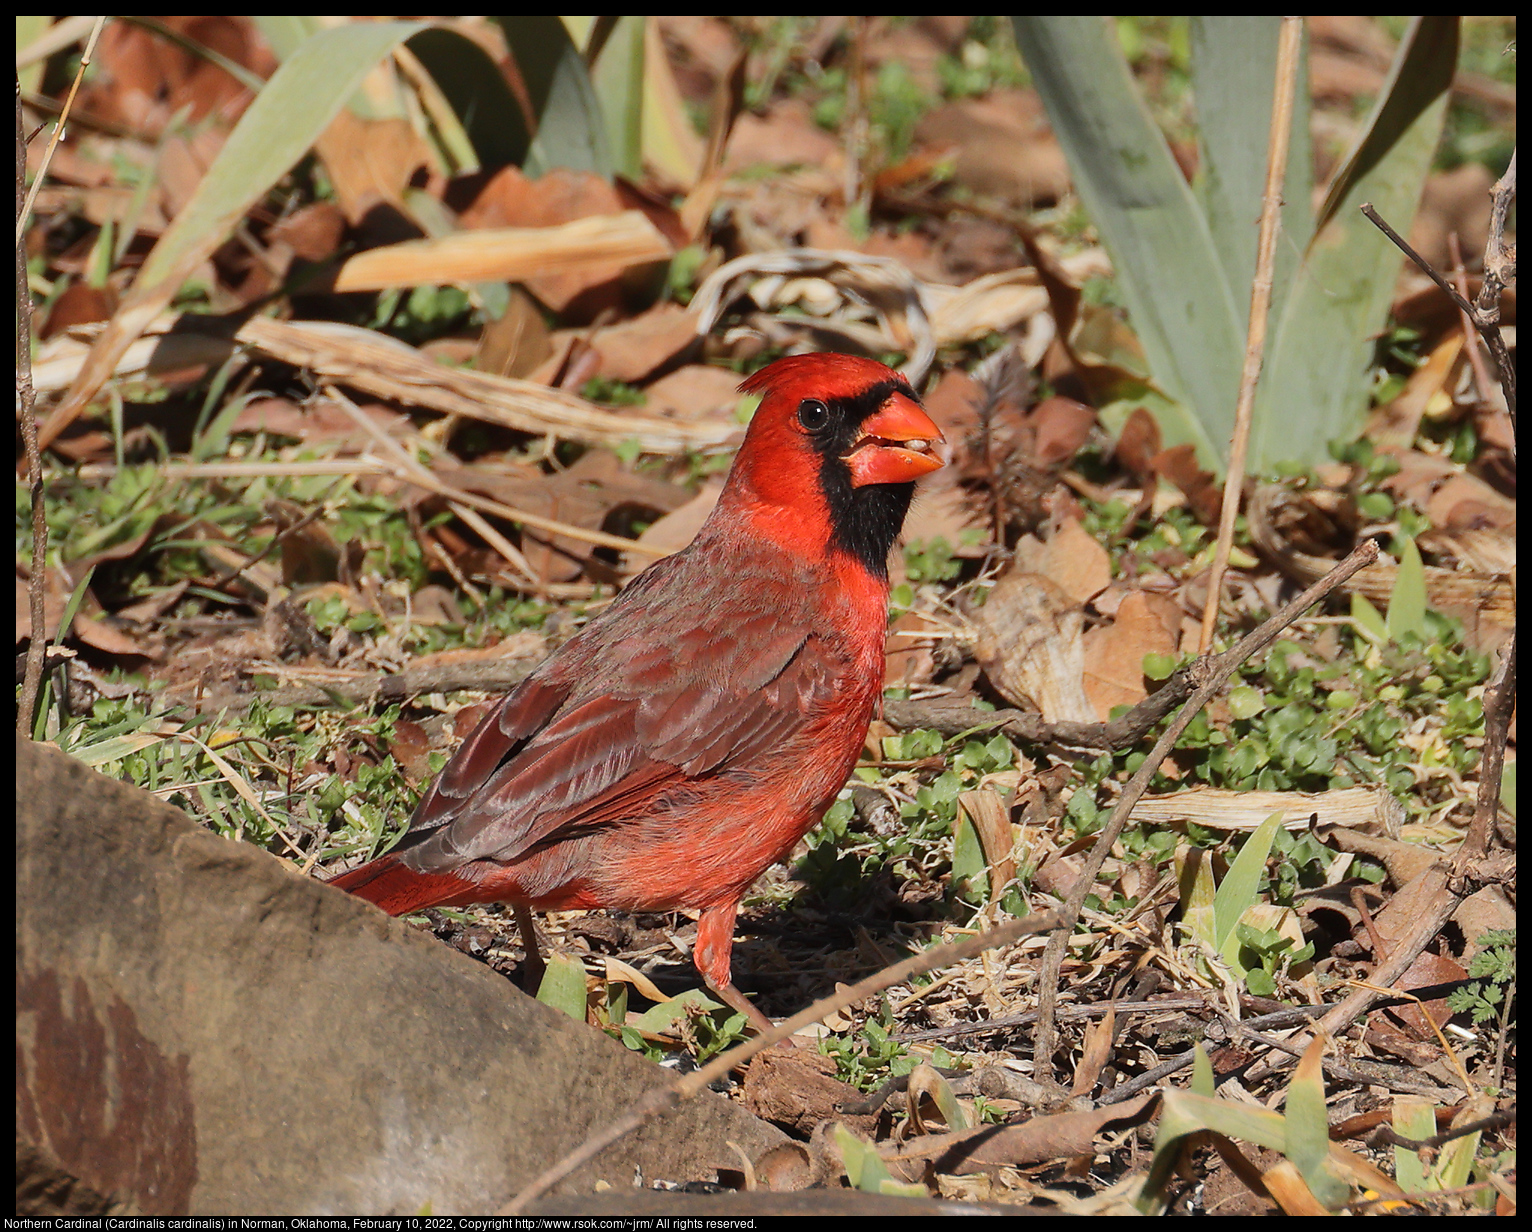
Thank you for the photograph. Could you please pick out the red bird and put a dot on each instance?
(690, 734)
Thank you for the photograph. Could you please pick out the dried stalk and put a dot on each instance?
(1260, 302)
(38, 646)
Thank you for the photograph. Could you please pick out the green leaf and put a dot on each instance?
(1178, 296)
(1234, 69)
(1203, 1080)
(1246, 701)
(298, 103)
(1307, 1139)
(1315, 382)
(657, 1019)
(476, 90)
(618, 79)
(968, 861)
(571, 131)
(1183, 1113)
(563, 986)
(1368, 617)
(1407, 603)
(865, 1170)
(1237, 894)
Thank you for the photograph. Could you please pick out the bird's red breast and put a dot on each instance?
(690, 734)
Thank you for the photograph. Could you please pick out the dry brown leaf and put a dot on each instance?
(515, 343)
(1004, 147)
(990, 816)
(1060, 426)
(511, 199)
(593, 246)
(1114, 654)
(1178, 465)
(1466, 502)
(1044, 1138)
(694, 392)
(954, 404)
(1095, 1052)
(1029, 644)
(370, 162)
(311, 233)
(382, 366)
(678, 527)
(141, 80)
(1289, 1190)
(785, 135)
(643, 344)
(1397, 423)
(1072, 560)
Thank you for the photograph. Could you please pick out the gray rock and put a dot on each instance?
(201, 1030)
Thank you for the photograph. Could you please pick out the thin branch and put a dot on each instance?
(1499, 272)
(37, 647)
(1426, 267)
(957, 718)
(1475, 355)
(1260, 303)
(1211, 672)
(669, 1096)
(58, 130)
(1499, 694)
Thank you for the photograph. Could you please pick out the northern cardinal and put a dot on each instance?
(691, 733)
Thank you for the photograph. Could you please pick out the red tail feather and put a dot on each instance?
(398, 890)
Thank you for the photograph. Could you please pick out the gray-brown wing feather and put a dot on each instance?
(624, 710)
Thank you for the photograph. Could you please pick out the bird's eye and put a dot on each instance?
(813, 414)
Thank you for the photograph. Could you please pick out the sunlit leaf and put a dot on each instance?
(563, 986)
(1314, 385)
(1238, 893)
(1407, 602)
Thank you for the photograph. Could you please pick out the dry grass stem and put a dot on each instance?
(1288, 42)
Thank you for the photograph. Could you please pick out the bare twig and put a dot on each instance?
(25, 211)
(1260, 302)
(664, 1098)
(1475, 355)
(485, 676)
(1499, 273)
(1499, 694)
(1386, 1135)
(38, 646)
(1211, 673)
(955, 718)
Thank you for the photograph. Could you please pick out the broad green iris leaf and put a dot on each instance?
(1178, 296)
(571, 130)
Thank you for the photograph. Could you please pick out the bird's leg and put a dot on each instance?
(715, 944)
(532, 966)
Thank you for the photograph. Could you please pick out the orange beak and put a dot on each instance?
(897, 444)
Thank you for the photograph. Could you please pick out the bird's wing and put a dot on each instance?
(603, 728)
